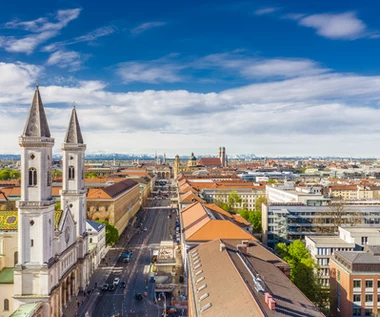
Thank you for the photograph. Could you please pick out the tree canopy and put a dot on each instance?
(232, 203)
(112, 235)
(7, 174)
(304, 272)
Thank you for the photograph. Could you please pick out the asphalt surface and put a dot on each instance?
(135, 273)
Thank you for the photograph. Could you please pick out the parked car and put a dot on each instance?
(145, 229)
(105, 287)
(116, 281)
(111, 288)
(122, 284)
(139, 296)
(115, 314)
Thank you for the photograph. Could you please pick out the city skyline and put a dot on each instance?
(277, 78)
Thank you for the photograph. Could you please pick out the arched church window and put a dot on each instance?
(15, 258)
(6, 304)
(32, 176)
(71, 172)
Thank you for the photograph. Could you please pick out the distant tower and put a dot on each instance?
(176, 166)
(192, 160)
(164, 158)
(32, 275)
(222, 156)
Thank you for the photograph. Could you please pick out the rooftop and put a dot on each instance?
(6, 275)
(332, 241)
(27, 310)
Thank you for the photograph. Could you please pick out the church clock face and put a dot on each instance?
(67, 234)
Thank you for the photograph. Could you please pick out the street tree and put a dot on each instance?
(112, 235)
(304, 273)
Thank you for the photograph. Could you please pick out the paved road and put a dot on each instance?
(135, 273)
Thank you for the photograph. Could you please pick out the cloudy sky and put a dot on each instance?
(287, 77)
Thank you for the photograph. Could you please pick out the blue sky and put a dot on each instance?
(270, 78)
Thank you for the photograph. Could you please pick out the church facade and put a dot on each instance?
(49, 248)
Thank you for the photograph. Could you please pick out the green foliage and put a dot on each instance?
(112, 235)
(57, 206)
(304, 272)
(272, 181)
(232, 201)
(7, 174)
(259, 202)
(56, 173)
(254, 217)
(90, 175)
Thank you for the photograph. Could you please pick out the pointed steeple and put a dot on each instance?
(73, 134)
(36, 125)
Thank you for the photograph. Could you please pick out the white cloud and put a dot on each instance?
(345, 26)
(255, 67)
(313, 114)
(41, 30)
(146, 26)
(266, 10)
(153, 72)
(88, 37)
(65, 59)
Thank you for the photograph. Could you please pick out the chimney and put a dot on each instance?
(245, 242)
(222, 247)
(242, 248)
(270, 301)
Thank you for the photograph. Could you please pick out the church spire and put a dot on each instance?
(73, 134)
(36, 125)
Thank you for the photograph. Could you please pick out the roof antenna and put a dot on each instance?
(37, 83)
(74, 104)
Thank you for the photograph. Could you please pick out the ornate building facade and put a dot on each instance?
(52, 261)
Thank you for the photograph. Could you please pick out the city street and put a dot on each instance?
(135, 273)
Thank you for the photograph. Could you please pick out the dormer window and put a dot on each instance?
(32, 177)
(71, 172)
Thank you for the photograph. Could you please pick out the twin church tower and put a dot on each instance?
(53, 259)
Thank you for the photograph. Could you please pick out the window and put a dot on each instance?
(357, 298)
(6, 304)
(369, 284)
(31, 242)
(378, 283)
(106, 208)
(369, 298)
(364, 240)
(368, 312)
(338, 278)
(356, 311)
(357, 283)
(71, 172)
(15, 258)
(32, 176)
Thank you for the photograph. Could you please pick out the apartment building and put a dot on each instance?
(286, 222)
(355, 283)
(351, 238)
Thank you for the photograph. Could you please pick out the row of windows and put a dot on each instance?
(32, 176)
(368, 283)
(357, 298)
(358, 312)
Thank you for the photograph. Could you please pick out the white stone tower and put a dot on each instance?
(73, 193)
(35, 209)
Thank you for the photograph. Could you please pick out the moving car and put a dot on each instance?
(116, 281)
(171, 310)
(122, 284)
(145, 229)
(139, 296)
(115, 314)
(111, 288)
(105, 287)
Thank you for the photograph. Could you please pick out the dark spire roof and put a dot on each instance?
(36, 125)
(73, 134)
